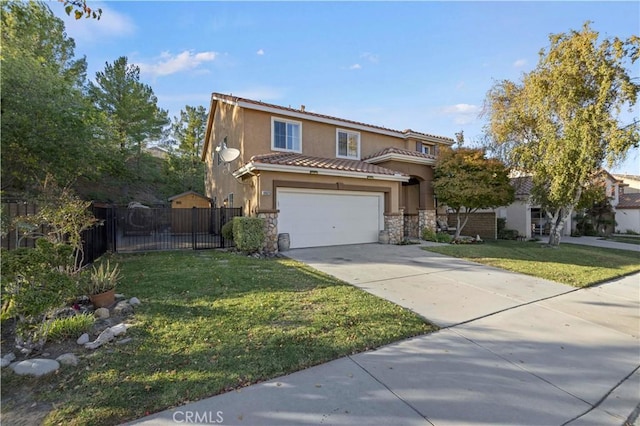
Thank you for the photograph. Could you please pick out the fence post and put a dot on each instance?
(194, 220)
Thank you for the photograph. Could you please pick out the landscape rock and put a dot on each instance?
(102, 313)
(119, 296)
(123, 308)
(68, 359)
(7, 359)
(104, 337)
(35, 367)
(134, 301)
(119, 329)
(83, 339)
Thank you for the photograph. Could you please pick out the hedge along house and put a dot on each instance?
(323, 180)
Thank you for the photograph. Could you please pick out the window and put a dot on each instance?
(347, 144)
(286, 135)
(230, 200)
(425, 149)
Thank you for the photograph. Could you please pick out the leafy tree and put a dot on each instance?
(47, 124)
(129, 105)
(80, 9)
(183, 162)
(561, 123)
(466, 181)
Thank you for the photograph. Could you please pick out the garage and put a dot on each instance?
(314, 218)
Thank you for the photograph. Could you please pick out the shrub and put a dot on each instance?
(227, 231)
(248, 233)
(442, 237)
(70, 327)
(436, 237)
(508, 234)
(429, 235)
(501, 224)
(35, 282)
(102, 279)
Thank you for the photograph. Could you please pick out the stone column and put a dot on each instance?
(426, 220)
(270, 230)
(394, 224)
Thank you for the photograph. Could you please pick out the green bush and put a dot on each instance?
(35, 282)
(248, 233)
(442, 237)
(436, 237)
(429, 234)
(501, 224)
(70, 327)
(227, 231)
(508, 234)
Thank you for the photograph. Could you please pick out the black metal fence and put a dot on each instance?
(124, 229)
(146, 229)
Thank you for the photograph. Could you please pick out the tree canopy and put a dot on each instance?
(562, 122)
(466, 181)
(47, 124)
(130, 106)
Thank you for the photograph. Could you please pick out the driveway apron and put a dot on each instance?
(513, 350)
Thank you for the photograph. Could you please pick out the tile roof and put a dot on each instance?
(523, 185)
(394, 150)
(299, 160)
(629, 201)
(235, 99)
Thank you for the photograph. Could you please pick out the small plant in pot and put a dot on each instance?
(101, 286)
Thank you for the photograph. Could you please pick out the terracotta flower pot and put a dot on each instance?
(103, 300)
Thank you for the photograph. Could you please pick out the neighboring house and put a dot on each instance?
(523, 215)
(183, 219)
(531, 221)
(628, 208)
(157, 152)
(323, 180)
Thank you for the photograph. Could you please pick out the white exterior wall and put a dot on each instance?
(627, 219)
(519, 217)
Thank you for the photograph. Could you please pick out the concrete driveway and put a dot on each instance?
(514, 350)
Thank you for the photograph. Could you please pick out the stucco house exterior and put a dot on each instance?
(323, 180)
(628, 207)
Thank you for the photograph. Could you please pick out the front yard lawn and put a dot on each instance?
(211, 322)
(572, 264)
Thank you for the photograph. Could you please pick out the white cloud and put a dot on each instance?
(168, 64)
(260, 52)
(520, 63)
(355, 67)
(371, 57)
(111, 25)
(462, 113)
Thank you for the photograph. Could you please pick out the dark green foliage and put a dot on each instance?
(227, 231)
(248, 233)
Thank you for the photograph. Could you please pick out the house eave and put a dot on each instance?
(251, 167)
(401, 157)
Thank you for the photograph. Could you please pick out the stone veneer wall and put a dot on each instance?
(270, 232)
(411, 226)
(394, 224)
(426, 219)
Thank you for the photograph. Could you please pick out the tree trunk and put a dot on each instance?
(459, 227)
(558, 222)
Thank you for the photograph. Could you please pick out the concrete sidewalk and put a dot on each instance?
(598, 242)
(513, 350)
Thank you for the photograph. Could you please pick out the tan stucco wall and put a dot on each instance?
(250, 131)
(219, 182)
(188, 201)
(270, 181)
(318, 139)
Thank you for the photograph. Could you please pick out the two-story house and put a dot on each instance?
(323, 180)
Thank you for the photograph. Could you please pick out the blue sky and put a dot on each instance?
(420, 65)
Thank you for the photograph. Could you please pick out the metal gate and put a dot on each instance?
(139, 229)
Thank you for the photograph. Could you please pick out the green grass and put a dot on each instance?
(211, 322)
(623, 239)
(572, 264)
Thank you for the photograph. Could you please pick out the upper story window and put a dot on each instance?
(426, 149)
(286, 135)
(347, 144)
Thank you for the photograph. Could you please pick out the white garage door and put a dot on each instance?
(315, 218)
